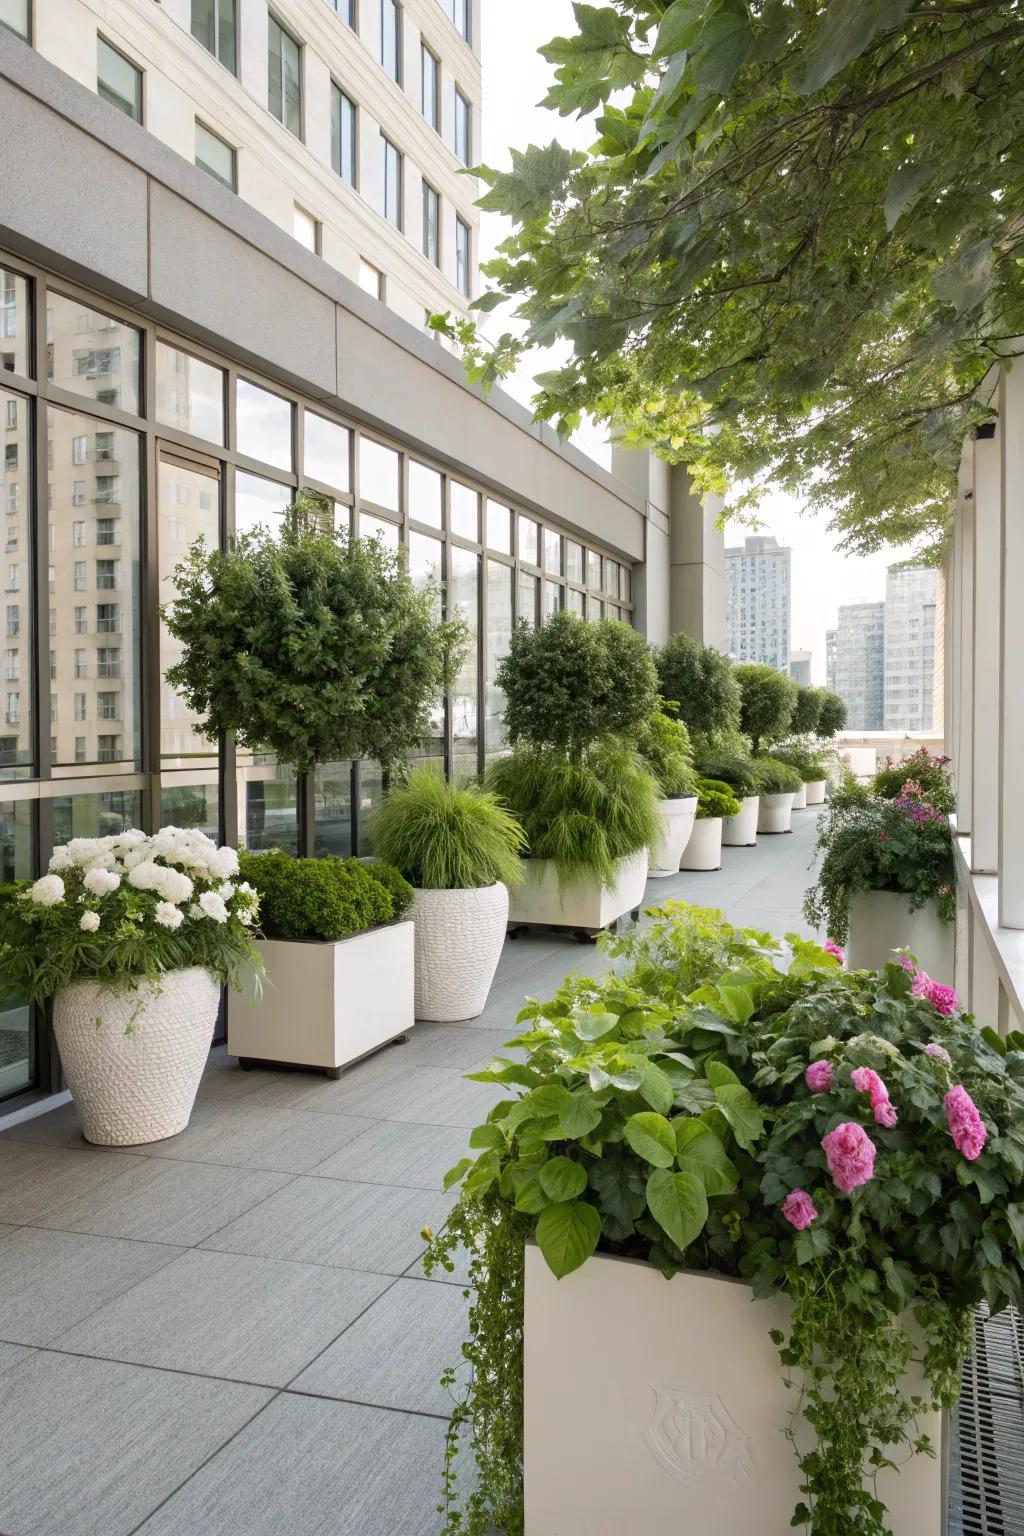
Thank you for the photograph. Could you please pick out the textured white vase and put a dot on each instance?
(133, 1058)
(815, 791)
(741, 831)
(675, 822)
(459, 935)
(775, 813)
(800, 798)
(881, 921)
(704, 850)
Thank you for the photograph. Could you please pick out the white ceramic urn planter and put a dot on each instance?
(775, 813)
(133, 1057)
(675, 821)
(800, 798)
(325, 1003)
(586, 905)
(676, 1423)
(704, 850)
(881, 921)
(740, 831)
(815, 791)
(459, 936)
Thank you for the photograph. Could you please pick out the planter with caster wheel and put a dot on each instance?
(583, 904)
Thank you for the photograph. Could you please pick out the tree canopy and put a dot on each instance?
(793, 251)
(767, 697)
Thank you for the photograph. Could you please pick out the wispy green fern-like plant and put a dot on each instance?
(445, 838)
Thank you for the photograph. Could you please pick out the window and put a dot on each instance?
(13, 619)
(391, 39)
(12, 666)
(426, 494)
(379, 472)
(215, 25)
(79, 749)
(103, 443)
(463, 245)
(79, 451)
(108, 661)
(264, 425)
(78, 534)
(463, 127)
(108, 706)
(371, 279)
(108, 749)
(189, 393)
(459, 12)
(92, 354)
(284, 78)
(343, 136)
(346, 9)
(431, 223)
(80, 706)
(79, 576)
(81, 622)
(13, 312)
(118, 81)
(108, 575)
(108, 619)
(215, 156)
(326, 449)
(10, 457)
(306, 229)
(12, 414)
(392, 209)
(14, 16)
(108, 530)
(12, 712)
(107, 488)
(430, 87)
(80, 669)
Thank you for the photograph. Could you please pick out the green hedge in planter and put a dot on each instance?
(715, 799)
(775, 778)
(736, 769)
(322, 898)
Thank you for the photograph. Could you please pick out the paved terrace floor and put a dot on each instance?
(228, 1333)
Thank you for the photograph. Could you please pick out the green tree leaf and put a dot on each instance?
(561, 1179)
(741, 1110)
(679, 1205)
(652, 1138)
(844, 31)
(579, 1115)
(701, 1153)
(567, 1235)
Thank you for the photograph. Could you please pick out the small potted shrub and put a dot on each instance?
(338, 963)
(132, 938)
(767, 700)
(922, 774)
(715, 801)
(738, 771)
(886, 879)
(577, 695)
(778, 785)
(811, 763)
(831, 715)
(701, 682)
(664, 745)
(460, 851)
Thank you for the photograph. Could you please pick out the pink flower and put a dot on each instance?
(851, 1156)
(907, 963)
(966, 1126)
(818, 1077)
(885, 1113)
(939, 1052)
(799, 1209)
(865, 1080)
(832, 948)
(922, 983)
(943, 999)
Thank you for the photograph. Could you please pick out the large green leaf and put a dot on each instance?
(619, 1184)
(579, 1115)
(679, 1205)
(701, 1153)
(594, 1023)
(656, 1088)
(567, 1235)
(562, 1178)
(844, 31)
(652, 1138)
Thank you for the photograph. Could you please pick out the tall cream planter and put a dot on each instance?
(133, 1057)
(675, 1421)
(459, 935)
(775, 813)
(704, 850)
(675, 823)
(585, 904)
(881, 921)
(815, 791)
(800, 798)
(740, 831)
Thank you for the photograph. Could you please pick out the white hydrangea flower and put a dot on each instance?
(212, 905)
(100, 882)
(89, 922)
(168, 915)
(173, 885)
(141, 854)
(223, 863)
(60, 859)
(226, 891)
(145, 876)
(195, 910)
(133, 838)
(48, 891)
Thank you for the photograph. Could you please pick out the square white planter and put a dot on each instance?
(656, 1405)
(585, 904)
(326, 1004)
(881, 921)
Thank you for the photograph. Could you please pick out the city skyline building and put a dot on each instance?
(911, 609)
(800, 667)
(855, 663)
(758, 601)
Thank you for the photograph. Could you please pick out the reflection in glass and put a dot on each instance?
(611, 577)
(378, 474)
(16, 722)
(426, 494)
(379, 528)
(425, 567)
(499, 633)
(574, 560)
(14, 336)
(371, 793)
(93, 486)
(118, 81)
(593, 570)
(326, 451)
(529, 598)
(191, 805)
(464, 517)
(14, 15)
(552, 552)
(626, 582)
(91, 354)
(575, 601)
(463, 600)
(264, 423)
(189, 394)
(499, 528)
(529, 548)
(552, 597)
(268, 805)
(333, 791)
(188, 506)
(16, 1043)
(100, 815)
(259, 503)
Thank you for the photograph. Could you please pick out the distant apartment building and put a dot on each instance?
(911, 605)
(855, 664)
(757, 585)
(800, 667)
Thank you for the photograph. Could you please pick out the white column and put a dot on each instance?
(963, 753)
(1011, 700)
(985, 702)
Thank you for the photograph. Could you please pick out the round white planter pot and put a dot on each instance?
(459, 935)
(675, 820)
(704, 850)
(741, 831)
(881, 921)
(775, 813)
(133, 1058)
(815, 791)
(800, 798)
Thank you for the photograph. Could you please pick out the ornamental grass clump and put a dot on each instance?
(664, 744)
(725, 1103)
(445, 838)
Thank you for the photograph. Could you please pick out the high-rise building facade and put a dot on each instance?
(800, 667)
(911, 606)
(757, 588)
(855, 664)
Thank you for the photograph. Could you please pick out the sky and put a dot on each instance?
(515, 80)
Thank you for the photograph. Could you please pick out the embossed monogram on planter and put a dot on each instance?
(694, 1436)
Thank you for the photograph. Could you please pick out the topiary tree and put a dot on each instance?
(570, 683)
(313, 645)
(767, 697)
(831, 714)
(806, 710)
(700, 681)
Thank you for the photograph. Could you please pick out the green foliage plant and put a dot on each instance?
(715, 798)
(444, 837)
(812, 764)
(767, 698)
(311, 644)
(664, 744)
(665, 1114)
(737, 769)
(806, 709)
(700, 681)
(922, 773)
(325, 898)
(831, 715)
(775, 777)
(396, 885)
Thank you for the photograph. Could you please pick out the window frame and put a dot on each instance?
(397, 10)
(136, 68)
(464, 230)
(464, 117)
(233, 68)
(431, 193)
(339, 96)
(386, 145)
(273, 20)
(231, 185)
(426, 52)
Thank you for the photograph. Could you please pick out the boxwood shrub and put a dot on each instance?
(322, 898)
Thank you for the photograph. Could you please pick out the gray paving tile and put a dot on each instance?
(35, 1180)
(453, 1045)
(323, 1221)
(51, 1280)
(91, 1446)
(226, 1314)
(455, 1102)
(161, 1201)
(373, 1087)
(311, 1467)
(316, 1091)
(416, 1156)
(394, 1354)
(245, 1135)
(57, 1128)
(10, 1354)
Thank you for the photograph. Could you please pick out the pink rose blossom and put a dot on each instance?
(865, 1080)
(832, 948)
(943, 999)
(922, 983)
(939, 1052)
(799, 1209)
(885, 1113)
(818, 1077)
(965, 1124)
(851, 1156)
(907, 963)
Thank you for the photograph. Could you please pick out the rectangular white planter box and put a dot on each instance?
(585, 904)
(326, 1004)
(656, 1405)
(881, 921)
